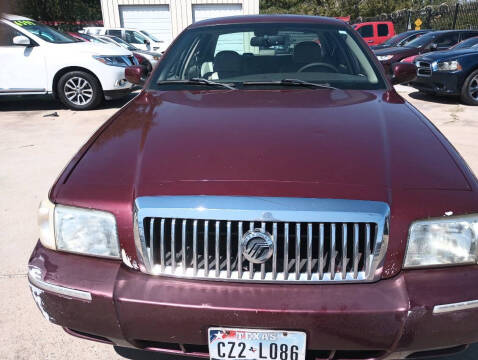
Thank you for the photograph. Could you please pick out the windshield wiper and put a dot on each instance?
(197, 81)
(291, 82)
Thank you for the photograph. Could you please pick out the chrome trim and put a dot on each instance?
(34, 276)
(465, 305)
(340, 214)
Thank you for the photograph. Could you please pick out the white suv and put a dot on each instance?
(139, 38)
(36, 59)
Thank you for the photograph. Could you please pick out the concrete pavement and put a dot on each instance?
(33, 150)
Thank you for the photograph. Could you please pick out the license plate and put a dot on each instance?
(248, 344)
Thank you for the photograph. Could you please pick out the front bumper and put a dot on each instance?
(131, 309)
(441, 83)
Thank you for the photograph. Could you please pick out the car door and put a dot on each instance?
(383, 33)
(367, 31)
(22, 67)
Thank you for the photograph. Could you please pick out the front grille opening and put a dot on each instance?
(303, 251)
(358, 354)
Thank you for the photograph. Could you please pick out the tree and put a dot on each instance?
(60, 10)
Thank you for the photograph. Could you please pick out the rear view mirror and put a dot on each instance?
(21, 41)
(268, 41)
(403, 73)
(134, 74)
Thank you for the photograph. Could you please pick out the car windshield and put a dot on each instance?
(392, 40)
(469, 43)
(249, 55)
(421, 41)
(45, 32)
(152, 37)
(123, 43)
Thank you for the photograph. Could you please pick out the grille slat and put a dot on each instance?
(302, 251)
(309, 251)
(217, 258)
(344, 252)
(297, 251)
(332, 251)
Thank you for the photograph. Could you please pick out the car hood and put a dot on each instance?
(395, 50)
(306, 143)
(94, 48)
(447, 54)
(332, 139)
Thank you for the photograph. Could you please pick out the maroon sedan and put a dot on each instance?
(268, 195)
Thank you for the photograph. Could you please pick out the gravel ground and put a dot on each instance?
(37, 138)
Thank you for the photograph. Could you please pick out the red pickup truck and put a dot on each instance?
(375, 32)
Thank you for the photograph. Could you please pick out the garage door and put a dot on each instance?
(202, 12)
(155, 19)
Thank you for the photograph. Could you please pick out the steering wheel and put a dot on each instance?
(331, 67)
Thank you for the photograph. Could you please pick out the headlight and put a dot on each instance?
(384, 57)
(452, 65)
(121, 61)
(443, 241)
(78, 230)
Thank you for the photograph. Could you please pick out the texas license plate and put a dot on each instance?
(226, 343)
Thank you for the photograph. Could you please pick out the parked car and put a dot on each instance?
(38, 60)
(465, 44)
(375, 32)
(148, 59)
(131, 36)
(401, 39)
(433, 41)
(270, 208)
(453, 72)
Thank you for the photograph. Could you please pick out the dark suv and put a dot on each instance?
(249, 204)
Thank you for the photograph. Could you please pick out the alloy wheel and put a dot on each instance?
(473, 88)
(78, 91)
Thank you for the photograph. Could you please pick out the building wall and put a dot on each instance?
(181, 10)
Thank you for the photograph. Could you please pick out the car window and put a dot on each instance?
(114, 32)
(409, 39)
(468, 35)
(151, 36)
(366, 31)
(269, 52)
(44, 32)
(134, 37)
(421, 41)
(445, 41)
(382, 29)
(7, 33)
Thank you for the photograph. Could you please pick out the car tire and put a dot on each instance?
(469, 91)
(79, 90)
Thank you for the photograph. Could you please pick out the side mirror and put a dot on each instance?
(403, 73)
(433, 47)
(134, 74)
(146, 42)
(21, 40)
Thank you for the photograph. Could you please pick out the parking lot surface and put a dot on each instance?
(37, 139)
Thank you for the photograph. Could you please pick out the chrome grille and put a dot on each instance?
(200, 237)
(424, 68)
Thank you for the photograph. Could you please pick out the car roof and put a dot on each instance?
(12, 17)
(251, 19)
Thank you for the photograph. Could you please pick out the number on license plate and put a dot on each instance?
(226, 344)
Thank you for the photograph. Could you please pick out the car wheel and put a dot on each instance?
(469, 91)
(79, 90)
